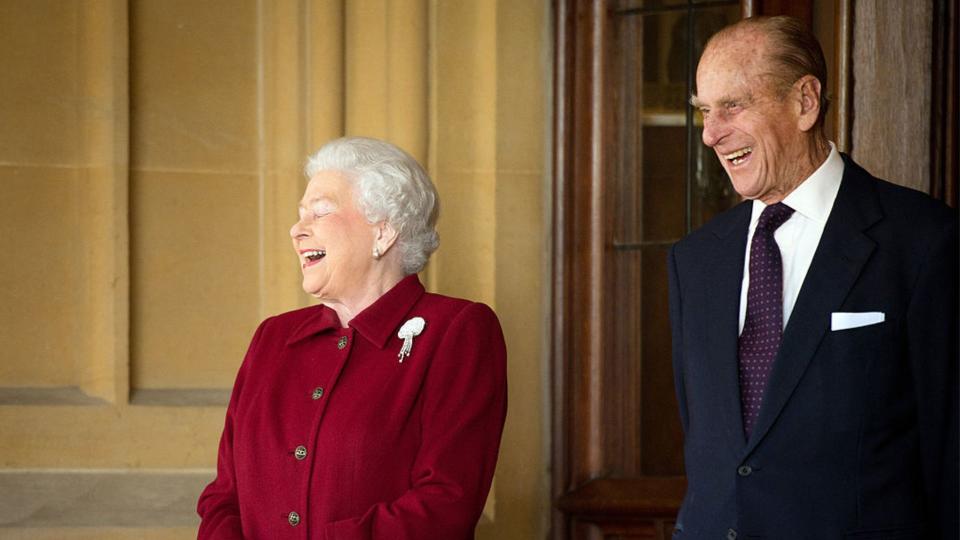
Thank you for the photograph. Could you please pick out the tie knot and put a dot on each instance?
(774, 216)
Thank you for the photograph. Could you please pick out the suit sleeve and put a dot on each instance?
(932, 328)
(218, 506)
(676, 326)
(464, 408)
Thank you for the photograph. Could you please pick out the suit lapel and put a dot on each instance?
(837, 262)
(723, 314)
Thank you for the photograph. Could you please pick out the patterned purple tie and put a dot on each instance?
(763, 325)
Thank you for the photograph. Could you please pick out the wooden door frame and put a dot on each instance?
(646, 506)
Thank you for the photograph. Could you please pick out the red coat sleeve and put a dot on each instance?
(219, 506)
(464, 406)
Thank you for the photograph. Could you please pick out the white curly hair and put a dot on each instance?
(389, 185)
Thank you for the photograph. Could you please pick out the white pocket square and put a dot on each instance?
(841, 320)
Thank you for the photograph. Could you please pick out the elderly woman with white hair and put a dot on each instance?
(378, 413)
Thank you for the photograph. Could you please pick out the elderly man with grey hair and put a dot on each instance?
(814, 325)
(378, 413)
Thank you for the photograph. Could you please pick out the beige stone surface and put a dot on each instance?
(464, 264)
(150, 179)
(488, 138)
(325, 72)
(105, 436)
(463, 91)
(366, 44)
(42, 298)
(407, 76)
(301, 102)
(193, 85)
(522, 257)
(194, 259)
(52, 395)
(114, 498)
(102, 48)
(40, 99)
(386, 71)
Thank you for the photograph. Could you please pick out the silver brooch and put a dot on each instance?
(411, 328)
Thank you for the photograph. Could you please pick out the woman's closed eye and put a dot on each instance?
(323, 208)
(318, 210)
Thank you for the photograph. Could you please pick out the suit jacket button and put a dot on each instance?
(744, 470)
(317, 393)
(293, 519)
(731, 534)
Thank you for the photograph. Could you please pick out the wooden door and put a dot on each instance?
(631, 178)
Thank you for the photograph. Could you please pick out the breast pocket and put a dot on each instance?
(856, 366)
(861, 341)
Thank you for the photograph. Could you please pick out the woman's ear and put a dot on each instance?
(385, 237)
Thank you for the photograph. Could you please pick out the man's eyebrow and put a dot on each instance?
(723, 101)
(743, 99)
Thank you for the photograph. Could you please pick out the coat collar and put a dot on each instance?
(382, 318)
(844, 249)
(320, 319)
(723, 308)
(376, 323)
(733, 222)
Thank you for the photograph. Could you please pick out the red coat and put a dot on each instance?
(329, 436)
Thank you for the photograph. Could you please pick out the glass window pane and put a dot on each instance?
(661, 181)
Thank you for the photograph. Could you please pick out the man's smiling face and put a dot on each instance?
(753, 130)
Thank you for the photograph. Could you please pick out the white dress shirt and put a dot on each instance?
(799, 236)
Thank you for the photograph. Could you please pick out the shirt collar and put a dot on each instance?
(375, 323)
(813, 198)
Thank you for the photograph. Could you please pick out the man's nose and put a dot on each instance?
(713, 131)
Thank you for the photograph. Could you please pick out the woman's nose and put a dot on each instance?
(298, 230)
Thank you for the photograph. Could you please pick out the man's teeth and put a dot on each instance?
(314, 254)
(736, 157)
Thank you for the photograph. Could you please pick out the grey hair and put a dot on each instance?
(390, 186)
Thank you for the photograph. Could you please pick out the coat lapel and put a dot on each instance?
(723, 314)
(837, 262)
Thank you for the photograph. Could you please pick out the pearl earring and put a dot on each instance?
(376, 252)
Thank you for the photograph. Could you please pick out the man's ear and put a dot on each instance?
(809, 87)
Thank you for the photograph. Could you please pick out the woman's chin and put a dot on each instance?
(311, 289)
(314, 291)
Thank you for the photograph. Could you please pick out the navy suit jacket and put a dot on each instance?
(857, 434)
